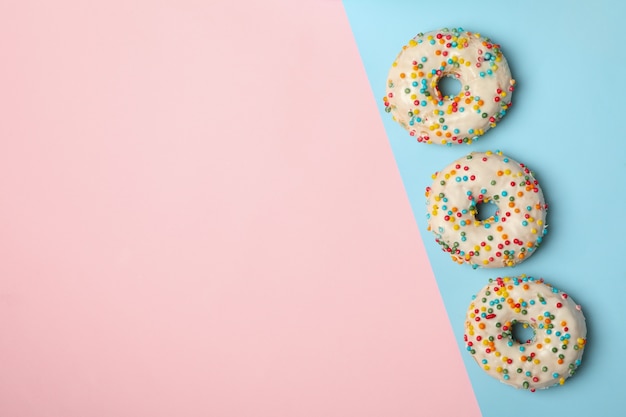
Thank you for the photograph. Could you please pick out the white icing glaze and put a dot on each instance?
(413, 97)
(560, 332)
(504, 239)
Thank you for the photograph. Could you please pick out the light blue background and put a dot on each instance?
(567, 125)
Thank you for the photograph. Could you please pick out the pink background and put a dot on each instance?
(200, 215)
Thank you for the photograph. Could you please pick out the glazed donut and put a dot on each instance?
(550, 357)
(413, 95)
(504, 239)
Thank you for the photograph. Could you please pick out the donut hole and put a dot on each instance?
(448, 86)
(485, 210)
(522, 332)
